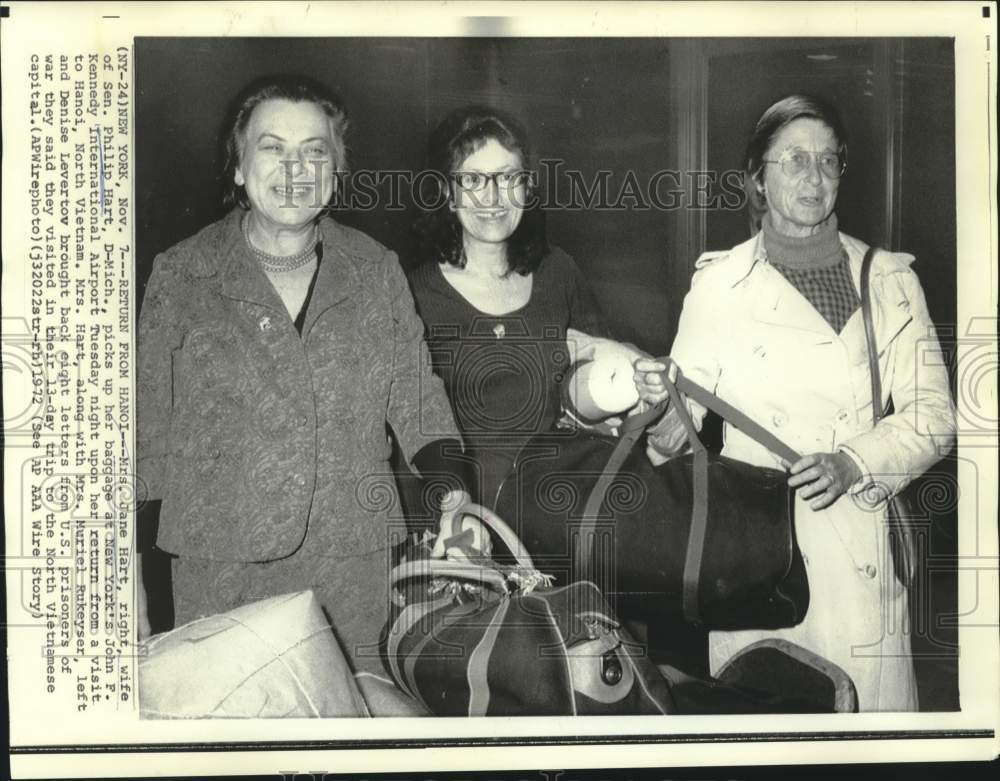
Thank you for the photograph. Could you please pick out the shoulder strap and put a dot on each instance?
(866, 314)
(902, 542)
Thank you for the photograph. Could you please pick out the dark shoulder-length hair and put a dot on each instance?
(438, 231)
(291, 87)
(775, 119)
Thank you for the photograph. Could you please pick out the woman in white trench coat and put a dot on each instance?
(774, 327)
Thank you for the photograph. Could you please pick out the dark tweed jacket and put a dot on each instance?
(254, 437)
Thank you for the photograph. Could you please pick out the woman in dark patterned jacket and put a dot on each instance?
(274, 348)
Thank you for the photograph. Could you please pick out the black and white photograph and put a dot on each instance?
(489, 266)
(624, 388)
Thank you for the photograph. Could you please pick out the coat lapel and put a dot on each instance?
(338, 279)
(890, 307)
(776, 301)
(242, 278)
(780, 304)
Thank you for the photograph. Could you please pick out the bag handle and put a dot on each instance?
(497, 525)
(446, 568)
(901, 543)
(478, 569)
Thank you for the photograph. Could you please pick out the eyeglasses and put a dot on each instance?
(474, 181)
(794, 162)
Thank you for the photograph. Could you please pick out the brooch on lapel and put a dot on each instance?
(265, 323)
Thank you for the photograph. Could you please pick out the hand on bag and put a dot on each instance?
(667, 438)
(635, 355)
(649, 382)
(823, 477)
(480, 536)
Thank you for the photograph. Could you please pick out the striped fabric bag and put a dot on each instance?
(478, 638)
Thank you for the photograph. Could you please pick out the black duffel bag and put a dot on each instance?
(701, 536)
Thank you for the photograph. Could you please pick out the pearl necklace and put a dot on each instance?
(281, 263)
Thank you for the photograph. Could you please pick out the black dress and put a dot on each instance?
(503, 373)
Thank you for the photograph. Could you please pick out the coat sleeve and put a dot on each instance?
(160, 332)
(418, 409)
(696, 351)
(921, 430)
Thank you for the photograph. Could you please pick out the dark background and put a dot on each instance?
(637, 104)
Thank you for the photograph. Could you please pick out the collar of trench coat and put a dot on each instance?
(781, 304)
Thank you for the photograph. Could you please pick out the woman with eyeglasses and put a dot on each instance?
(496, 298)
(774, 327)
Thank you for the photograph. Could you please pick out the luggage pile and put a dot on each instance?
(703, 538)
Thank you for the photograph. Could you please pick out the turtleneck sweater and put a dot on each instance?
(817, 267)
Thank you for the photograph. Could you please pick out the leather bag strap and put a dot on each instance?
(631, 430)
(695, 552)
(735, 418)
(866, 314)
(901, 540)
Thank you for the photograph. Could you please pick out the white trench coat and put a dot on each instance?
(749, 336)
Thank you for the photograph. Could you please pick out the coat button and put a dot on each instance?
(214, 453)
(842, 415)
(779, 420)
(870, 571)
(299, 480)
(302, 420)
